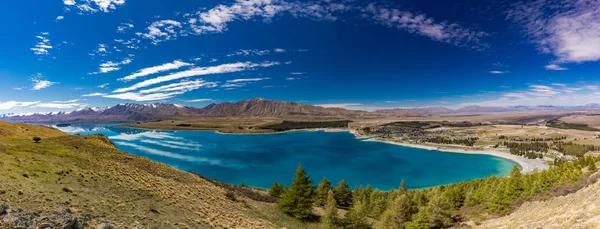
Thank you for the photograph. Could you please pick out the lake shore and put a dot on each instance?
(527, 165)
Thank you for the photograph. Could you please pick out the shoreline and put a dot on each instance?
(527, 165)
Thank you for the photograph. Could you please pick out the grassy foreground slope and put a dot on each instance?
(88, 175)
(576, 210)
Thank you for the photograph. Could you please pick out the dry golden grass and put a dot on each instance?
(577, 210)
(590, 120)
(90, 176)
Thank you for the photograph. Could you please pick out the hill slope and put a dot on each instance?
(576, 210)
(88, 175)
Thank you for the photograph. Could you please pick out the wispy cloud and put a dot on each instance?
(422, 24)
(104, 85)
(246, 80)
(110, 66)
(59, 18)
(555, 67)
(163, 92)
(198, 100)
(570, 30)
(39, 83)
(155, 69)
(162, 30)
(498, 72)
(14, 104)
(198, 71)
(123, 27)
(93, 6)
(96, 94)
(43, 46)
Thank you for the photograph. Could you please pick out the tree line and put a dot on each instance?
(437, 207)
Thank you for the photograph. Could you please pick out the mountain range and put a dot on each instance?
(260, 108)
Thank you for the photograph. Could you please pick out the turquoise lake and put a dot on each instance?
(259, 159)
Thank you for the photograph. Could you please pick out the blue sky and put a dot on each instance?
(65, 54)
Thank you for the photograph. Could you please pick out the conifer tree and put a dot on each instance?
(592, 166)
(357, 215)
(297, 200)
(330, 218)
(322, 192)
(402, 188)
(343, 194)
(397, 214)
(276, 189)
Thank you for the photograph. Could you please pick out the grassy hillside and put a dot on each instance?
(88, 175)
(576, 210)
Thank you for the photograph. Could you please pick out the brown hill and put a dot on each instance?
(262, 107)
(90, 177)
(576, 210)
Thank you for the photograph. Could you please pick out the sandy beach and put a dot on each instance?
(527, 165)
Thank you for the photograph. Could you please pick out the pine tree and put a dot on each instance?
(330, 218)
(297, 200)
(343, 194)
(397, 214)
(402, 188)
(357, 215)
(322, 190)
(276, 189)
(592, 166)
(421, 220)
(514, 188)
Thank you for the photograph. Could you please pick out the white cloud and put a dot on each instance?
(162, 30)
(104, 85)
(422, 24)
(14, 104)
(43, 46)
(291, 78)
(163, 92)
(58, 105)
(67, 101)
(198, 71)
(198, 100)
(248, 52)
(297, 73)
(18, 88)
(279, 50)
(555, 67)
(110, 66)
(155, 69)
(96, 94)
(58, 18)
(498, 72)
(101, 50)
(124, 27)
(39, 83)
(93, 6)
(246, 80)
(570, 30)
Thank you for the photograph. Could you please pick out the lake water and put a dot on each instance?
(259, 159)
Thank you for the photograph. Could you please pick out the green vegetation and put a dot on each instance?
(276, 189)
(529, 150)
(293, 125)
(442, 206)
(343, 194)
(556, 123)
(298, 200)
(573, 149)
(445, 140)
(321, 194)
(331, 217)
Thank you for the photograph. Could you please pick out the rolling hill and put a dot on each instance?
(88, 181)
